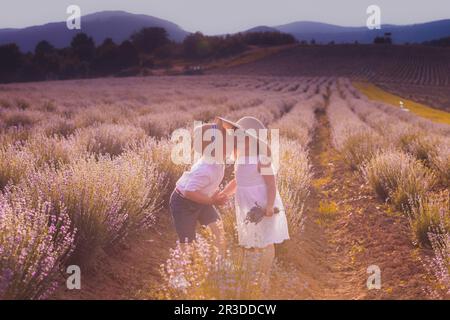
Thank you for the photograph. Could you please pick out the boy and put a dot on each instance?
(197, 191)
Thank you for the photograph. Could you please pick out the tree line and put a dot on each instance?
(442, 42)
(145, 49)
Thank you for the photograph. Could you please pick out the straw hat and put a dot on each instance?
(198, 137)
(249, 125)
(245, 123)
(227, 124)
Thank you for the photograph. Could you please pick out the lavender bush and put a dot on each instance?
(34, 243)
(399, 178)
(439, 264)
(106, 199)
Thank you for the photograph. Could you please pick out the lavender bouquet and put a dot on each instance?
(257, 213)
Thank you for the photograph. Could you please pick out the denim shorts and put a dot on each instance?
(186, 213)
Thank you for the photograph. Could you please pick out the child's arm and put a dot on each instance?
(230, 188)
(271, 184)
(196, 196)
(199, 179)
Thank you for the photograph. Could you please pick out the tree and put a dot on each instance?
(442, 42)
(32, 70)
(128, 56)
(196, 46)
(10, 61)
(83, 46)
(166, 51)
(230, 45)
(43, 47)
(45, 61)
(69, 67)
(386, 39)
(148, 40)
(106, 57)
(269, 38)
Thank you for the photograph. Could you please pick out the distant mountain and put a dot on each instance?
(261, 29)
(324, 33)
(118, 25)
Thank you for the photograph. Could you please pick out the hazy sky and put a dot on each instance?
(222, 16)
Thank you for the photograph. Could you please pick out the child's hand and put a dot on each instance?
(269, 211)
(219, 198)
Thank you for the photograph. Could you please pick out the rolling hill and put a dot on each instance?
(262, 29)
(324, 33)
(118, 25)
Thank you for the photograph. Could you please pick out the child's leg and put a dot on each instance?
(185, 214)
(210, 217)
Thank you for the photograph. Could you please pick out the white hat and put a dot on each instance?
(250, 123)
(245, 123)
(250, 127)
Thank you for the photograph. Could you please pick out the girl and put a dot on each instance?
(255, 187)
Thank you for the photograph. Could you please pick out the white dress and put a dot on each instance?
(252, 189)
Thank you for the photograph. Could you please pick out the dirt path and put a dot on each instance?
(347, 230)
(323, 273)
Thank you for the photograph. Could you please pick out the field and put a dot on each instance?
(414, 72)
(85, 174)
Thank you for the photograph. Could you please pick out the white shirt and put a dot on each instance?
(203, 177)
